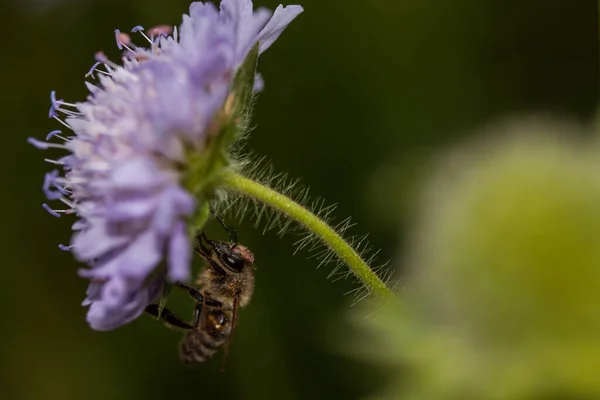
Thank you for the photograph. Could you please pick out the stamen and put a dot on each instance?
(64, 103)
(52, 112)
(110, 65)
(68, 161)
(146, 37)
(103, 72)
(53, 98)
(65, 248)
(122, 39)
(50, 195)
(53, 133)
(130, 49)
(67, 202)
(101, 57)
(53, 161)
(70, 113)
(91, 70)
(62, 122)
(50, 211)
(49, 182)
(55, 105)
(64, 192)
(140, 29)
(66, 212)
(45, 145)
(160, 30)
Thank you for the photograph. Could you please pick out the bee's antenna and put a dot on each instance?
(199, 245)
(233, 236)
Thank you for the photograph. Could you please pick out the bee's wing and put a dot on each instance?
(233, 322)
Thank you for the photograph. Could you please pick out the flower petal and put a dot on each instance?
(180, 254)
(135, 261)
(280, 20)
(139, 173)
(103, 317)
(95, 241)
(247, 23)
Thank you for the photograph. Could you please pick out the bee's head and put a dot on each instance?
(234, 257)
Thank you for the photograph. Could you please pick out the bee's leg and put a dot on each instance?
(233, 236)
(168, 317)
(197, 313)
(212, 303)
(199, 297)
(195, 293)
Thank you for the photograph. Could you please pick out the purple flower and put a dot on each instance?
(129, 144)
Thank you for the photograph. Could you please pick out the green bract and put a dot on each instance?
(229, 126)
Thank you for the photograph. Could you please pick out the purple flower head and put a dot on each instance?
(129, 145)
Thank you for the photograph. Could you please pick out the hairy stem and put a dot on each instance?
(312, 223)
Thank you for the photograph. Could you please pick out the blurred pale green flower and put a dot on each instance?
(503, 288)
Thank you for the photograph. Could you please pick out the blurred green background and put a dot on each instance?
(359, 94)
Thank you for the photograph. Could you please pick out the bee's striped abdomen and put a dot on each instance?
(201, 344)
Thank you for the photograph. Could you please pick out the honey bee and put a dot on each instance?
(225, 285)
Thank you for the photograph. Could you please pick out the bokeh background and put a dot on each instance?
(359, 95)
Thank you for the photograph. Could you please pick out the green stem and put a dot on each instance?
(312, 223)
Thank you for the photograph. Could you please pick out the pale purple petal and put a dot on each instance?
(200, 11)
(95, 241)
(116, 291)
(93, 293)
(131, 207)
(248, 24)
(174, 201)
(280, 20)
(137, 173)
(121, 301)
(104, 317)
(136, 261)
(79, 225)
(180, 254)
